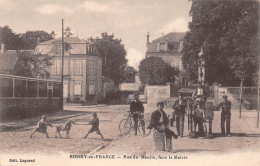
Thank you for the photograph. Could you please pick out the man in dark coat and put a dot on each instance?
(137, 110)
(225, 116)
(179, 112)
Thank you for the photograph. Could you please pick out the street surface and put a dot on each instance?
(16, 139)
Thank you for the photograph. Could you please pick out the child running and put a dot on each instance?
(42, 126)
(95, 126)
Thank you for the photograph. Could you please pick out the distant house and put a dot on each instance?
(169, 48)
(82, 67)
(8, 59)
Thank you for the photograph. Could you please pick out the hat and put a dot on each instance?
(180, 94)
(136, 95)
(224, 96)
(160, 103)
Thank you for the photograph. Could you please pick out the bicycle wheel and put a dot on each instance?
(146, 131)
(125, 126)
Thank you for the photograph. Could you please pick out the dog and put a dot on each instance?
(66, 127)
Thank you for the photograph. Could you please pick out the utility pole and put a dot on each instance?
(62, 64)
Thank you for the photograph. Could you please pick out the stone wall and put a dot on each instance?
(20, 108)
(158, 93)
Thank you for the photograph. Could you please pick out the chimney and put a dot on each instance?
(38, 40)
(3, 47)
(147, 42)
(148, 37)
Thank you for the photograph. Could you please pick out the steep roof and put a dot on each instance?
(170, 37)
(8, 60)
(66, 40)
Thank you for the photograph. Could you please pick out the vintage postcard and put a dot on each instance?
(138, 82)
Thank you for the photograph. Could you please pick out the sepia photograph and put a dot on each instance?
(137, 82)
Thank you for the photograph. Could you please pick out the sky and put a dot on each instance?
(129, 20)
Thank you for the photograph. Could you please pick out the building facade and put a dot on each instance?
(169, 48)
(82, 68)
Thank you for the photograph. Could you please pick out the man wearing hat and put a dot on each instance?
(137, 110)
(179, 111)
(225, 115)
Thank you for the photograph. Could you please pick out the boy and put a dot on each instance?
(95, 126)
(42, 126)
(199, 117)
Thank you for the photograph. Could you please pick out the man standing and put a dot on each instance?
(179, 111)
(225, 116)
(137, 110)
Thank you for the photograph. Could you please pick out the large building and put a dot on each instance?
(169, 48)
(82, 67)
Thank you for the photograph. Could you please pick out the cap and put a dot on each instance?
(180, 94)
(136, 94)
(160, 103)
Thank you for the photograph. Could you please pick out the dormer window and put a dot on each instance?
(162, 47)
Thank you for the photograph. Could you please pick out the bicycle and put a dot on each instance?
(126, 125)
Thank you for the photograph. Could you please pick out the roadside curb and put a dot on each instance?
(103, 146)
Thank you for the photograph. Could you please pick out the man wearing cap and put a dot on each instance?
(225, 115)
(179, 112)
(137, 110)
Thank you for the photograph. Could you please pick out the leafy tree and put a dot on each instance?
(67, 32)
(31, 65)
(225, 30)
(113, 54)
(11, 40)
(129, 74)
(29, 38)
(155, 71)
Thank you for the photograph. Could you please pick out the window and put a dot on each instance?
(58, 67)
(92, 68)
(53, 68)
(6, 87)
(56, 90)
(91, 87)
(162, 47)
(77, 88)
(77, 68)
(32, 89)
(65, 68)
(20, 88)
(57, 49)
(42, 89)
(176, 64)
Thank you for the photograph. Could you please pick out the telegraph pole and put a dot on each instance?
(62, 64)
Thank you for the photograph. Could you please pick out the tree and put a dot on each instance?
(11, 40)
(29, 38)
(155, 71)
(113, 54)
(31, 65)
(129, 74)
(225, 30)
(67, 32)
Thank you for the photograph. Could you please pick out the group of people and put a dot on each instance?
(160, 121)
(42, 125)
